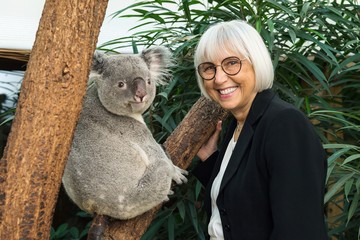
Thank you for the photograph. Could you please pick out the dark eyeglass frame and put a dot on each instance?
(215, 67)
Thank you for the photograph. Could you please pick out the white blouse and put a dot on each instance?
(215, 228)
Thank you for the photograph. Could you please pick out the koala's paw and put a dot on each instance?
(178, 176)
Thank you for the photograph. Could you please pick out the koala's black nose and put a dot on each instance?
(139, 89)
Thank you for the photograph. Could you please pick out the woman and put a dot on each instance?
(267, 182)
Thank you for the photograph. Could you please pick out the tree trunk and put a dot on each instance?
(48, 108)
(182, 146)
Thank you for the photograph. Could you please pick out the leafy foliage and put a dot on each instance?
(7, 108)
(66, 232)
(315, 51)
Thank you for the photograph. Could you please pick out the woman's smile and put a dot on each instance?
(227, 92)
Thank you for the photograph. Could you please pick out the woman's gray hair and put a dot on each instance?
(239, 38)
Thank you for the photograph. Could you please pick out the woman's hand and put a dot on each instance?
(211, 145)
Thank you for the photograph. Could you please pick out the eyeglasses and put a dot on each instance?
(230, 65)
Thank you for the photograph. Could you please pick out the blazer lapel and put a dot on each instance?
(260, 104)
(238, 153)
(227, 139)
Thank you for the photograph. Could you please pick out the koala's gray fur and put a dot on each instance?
(115, 166)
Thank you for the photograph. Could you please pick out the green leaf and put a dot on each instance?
(163, 94)
(358, 185)
(181, 208)
(132, 6)
(83, 214)
(275, 4)
(351, 158)
(326, 48)
(171, 227)
(347, 188)
(336, 155)
(85, 231)
(52, 233)
(337, 186)
(163, 123)
(185, 5)
(329, 171)
(353, 207)
(153, 230)
(339, 145)
(62, 230)
(193, 215)
(343, 65)
(305, 9)
(198, 187)
(292, 35)
(74, 232)
(311, 66)
(134, 47)
(258, 25)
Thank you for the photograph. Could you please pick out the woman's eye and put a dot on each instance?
(232, 62)
(209, 68)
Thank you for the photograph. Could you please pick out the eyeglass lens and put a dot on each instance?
(230, 66)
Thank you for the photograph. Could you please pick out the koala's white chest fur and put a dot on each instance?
(115, 166)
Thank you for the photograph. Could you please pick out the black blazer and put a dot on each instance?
(273, 186)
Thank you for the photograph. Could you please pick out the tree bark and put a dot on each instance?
(49, 105)
(182, 146)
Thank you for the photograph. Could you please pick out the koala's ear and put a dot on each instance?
(98, 61)
(158, 59)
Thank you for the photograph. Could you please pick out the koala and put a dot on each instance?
(115, 166)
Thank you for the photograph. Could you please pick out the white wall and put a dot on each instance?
(19, 20)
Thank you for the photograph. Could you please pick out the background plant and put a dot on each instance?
(315, 50)
(8, 100)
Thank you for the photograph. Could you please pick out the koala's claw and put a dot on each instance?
(179, 177)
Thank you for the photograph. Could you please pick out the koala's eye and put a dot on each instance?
(148, 81)
(121, 84)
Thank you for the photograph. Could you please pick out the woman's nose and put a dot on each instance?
(220, 75)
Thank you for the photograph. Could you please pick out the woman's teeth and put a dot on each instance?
(227, 90)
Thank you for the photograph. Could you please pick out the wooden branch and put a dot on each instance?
(48, 108)
(182, 146)
(193, 131)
